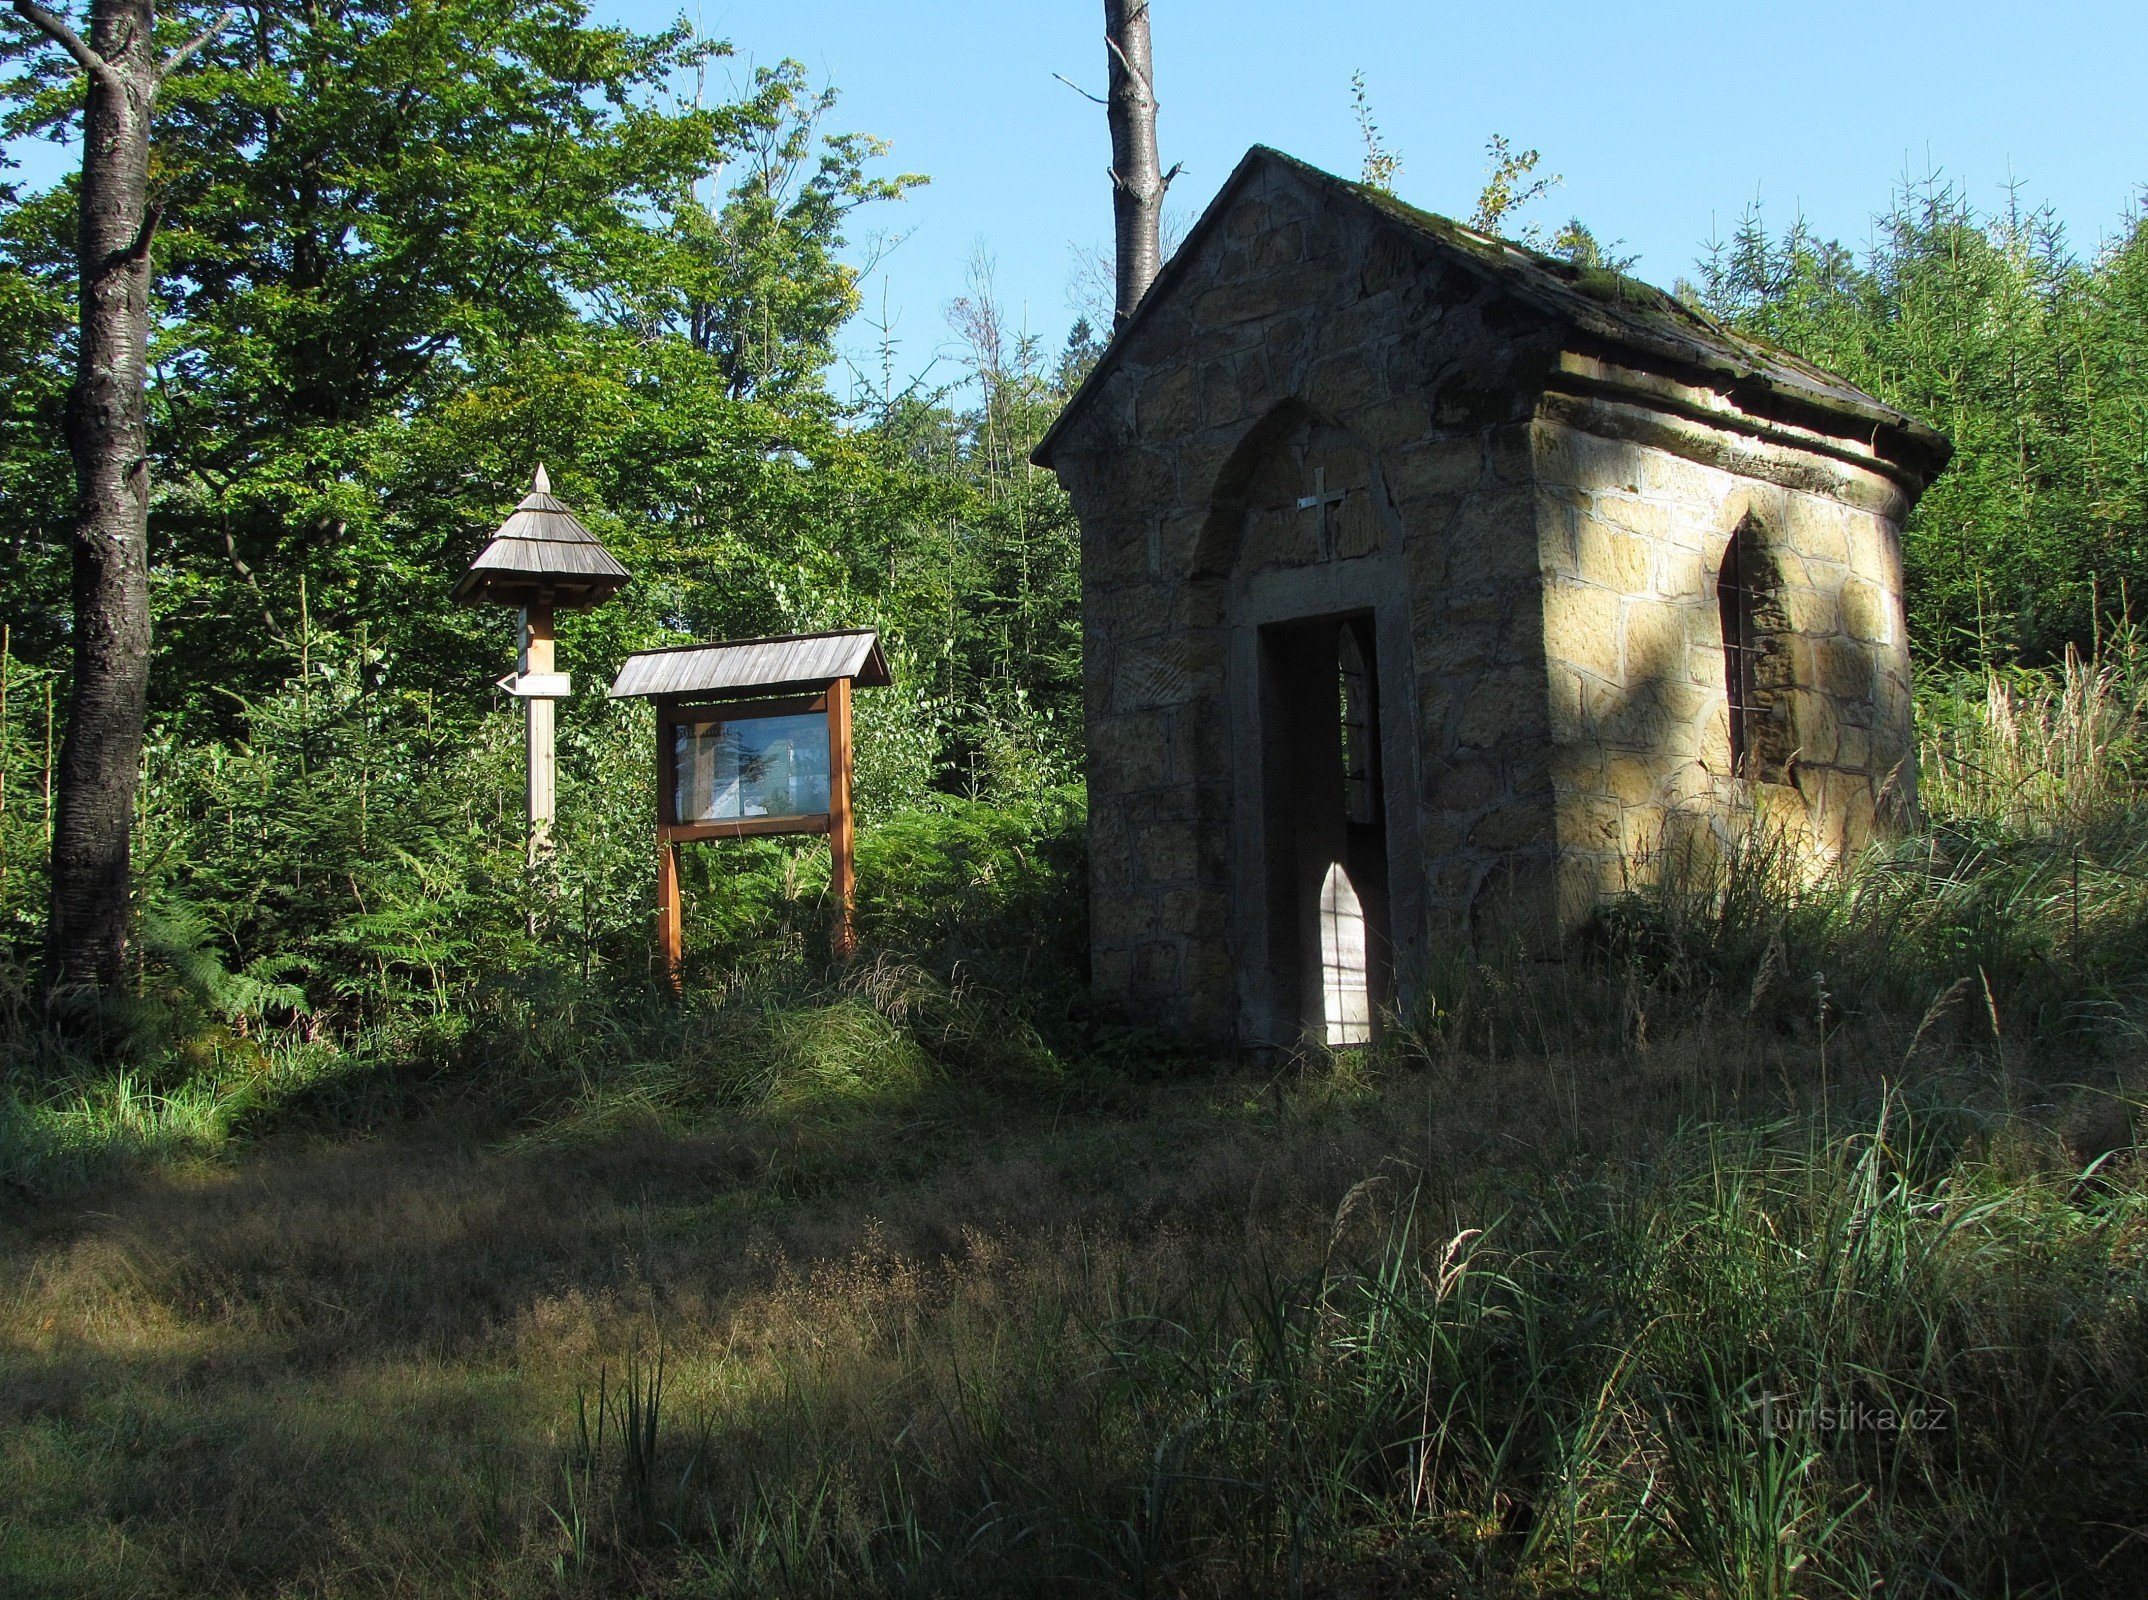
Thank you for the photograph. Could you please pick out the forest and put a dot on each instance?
(400, 1230)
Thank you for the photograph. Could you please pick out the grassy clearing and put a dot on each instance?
(1790, 1243)
(1432, 1328)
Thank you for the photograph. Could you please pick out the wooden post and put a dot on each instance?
(843, 874)
(537, 711)
(670, 921)
(670, 936)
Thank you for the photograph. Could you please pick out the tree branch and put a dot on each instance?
(56, 29)
(1148, 91)
(179, 57)
(1078, 89)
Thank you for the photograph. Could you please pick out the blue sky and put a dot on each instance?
(1666, 119)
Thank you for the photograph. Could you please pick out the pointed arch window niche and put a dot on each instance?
(1756, 658)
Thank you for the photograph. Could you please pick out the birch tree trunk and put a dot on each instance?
(108, 435)
(1138, 181)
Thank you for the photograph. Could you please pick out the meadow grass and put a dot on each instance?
(1457, 1326)
(1788, 1240)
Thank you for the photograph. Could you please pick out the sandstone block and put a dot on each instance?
(1581, 460)
(1121, 919)
(1392, 423)
(1514, 825)
(1443, 836)
(1504, 705)
(1280, 247)
(1565, 706)
(1647, 519)
(1494, 535)
(1606, 556)
(1819, 527)
(1634, 718)
(1641, 833)
(1169, 406)
(1222, 394)
(1845, 668)
(1817, 728)
(1872, 553)
(1265, 295)
(1864, 611)
(1510, 456)
(1590, 822)
(1631, 780)
(1131, 751)
(1444, 651)
(1466, 783)
(1347, 383)
(1655, 637)
(1111, 974)
(1168, 853)
(1687, 575)
(1581, 628)
(1201, 913)
(1155, 974)
(1435, 469)
(1150, 673)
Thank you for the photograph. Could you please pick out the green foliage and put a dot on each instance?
(1509, 185)
(1576, 243)
(405, 255)
(763, 292)
(1382, 165)
(2031, 358)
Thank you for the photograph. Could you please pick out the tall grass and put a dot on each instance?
(1788, 1241)
(2037, 752)
(1906, 1360)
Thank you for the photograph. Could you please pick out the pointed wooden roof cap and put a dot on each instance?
(542, 556)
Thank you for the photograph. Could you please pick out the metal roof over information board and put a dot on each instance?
(757, 666)
(542, 555)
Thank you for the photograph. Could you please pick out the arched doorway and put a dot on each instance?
(1330, 949)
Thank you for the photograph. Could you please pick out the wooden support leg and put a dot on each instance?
(670, 936)
(537, 657)
(843, 940)
(541, 723)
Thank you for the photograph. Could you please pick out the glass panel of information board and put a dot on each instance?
(752, 767)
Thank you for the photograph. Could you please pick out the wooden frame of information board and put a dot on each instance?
(835, 822)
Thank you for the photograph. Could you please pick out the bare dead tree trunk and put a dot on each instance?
(1138, 180)
(108, 435)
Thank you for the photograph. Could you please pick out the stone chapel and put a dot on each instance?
(1434, 589)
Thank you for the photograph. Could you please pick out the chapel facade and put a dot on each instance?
(1434, 590)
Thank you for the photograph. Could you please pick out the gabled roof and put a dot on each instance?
(760, 666)
(1608, 306)
(542, 555)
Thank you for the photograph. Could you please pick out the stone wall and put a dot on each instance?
(1636, 504)
(1301, 338)
(1537, 530)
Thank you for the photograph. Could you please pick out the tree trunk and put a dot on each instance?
(1138, 181)
(107, 433)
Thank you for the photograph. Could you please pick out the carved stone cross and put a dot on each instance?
(1324, 500)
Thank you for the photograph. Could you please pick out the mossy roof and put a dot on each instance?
(1609, 306)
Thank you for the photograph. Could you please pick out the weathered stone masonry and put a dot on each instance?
(1516, 483)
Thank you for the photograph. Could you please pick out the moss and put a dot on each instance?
(1627, 294)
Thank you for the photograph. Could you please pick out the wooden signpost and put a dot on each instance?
(753, 738)
(541, 560)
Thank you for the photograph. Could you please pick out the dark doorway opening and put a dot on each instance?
(1330, 951)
